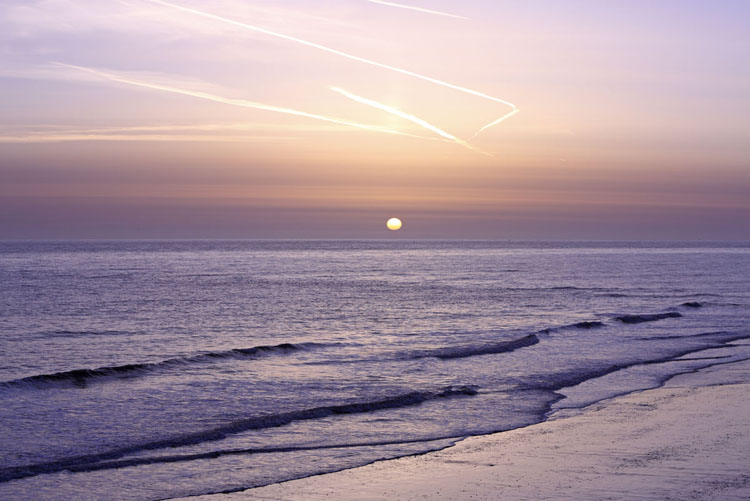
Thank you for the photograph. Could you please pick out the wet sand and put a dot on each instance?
(687, 440)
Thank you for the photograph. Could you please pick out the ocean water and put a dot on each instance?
(153, 370)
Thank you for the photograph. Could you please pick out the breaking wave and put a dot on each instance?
(81, 377)
(639, 319)
(81, 463)
(451, 352)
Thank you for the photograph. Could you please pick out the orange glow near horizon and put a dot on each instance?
(293, 119)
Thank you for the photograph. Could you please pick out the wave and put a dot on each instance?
(451, 352)
(546, 382)
(588, 324)
(691, 359)
(688, 336)
(253, 423)
(75, 333)
(557, 381)
(81, 377)
(179, 458)
(639, 319)
(692, 304)
(83, 333)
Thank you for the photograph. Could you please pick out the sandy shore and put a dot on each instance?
(682, 441)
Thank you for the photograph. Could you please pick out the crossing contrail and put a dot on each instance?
(496, 122)
(238, 102)
(337, 52)
(405, 116)
(418, 9)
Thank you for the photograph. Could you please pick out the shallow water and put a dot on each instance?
(148, 370)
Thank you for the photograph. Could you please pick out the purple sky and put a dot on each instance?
(292, 119)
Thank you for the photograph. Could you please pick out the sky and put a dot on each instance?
(478, 119)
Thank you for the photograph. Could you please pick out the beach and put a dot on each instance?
(689, 439)
(374, 250)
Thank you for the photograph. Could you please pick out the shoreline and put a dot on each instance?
(687, 439)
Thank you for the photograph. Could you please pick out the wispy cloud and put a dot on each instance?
(256, 127)
(218, 132)
(26, 18)
(64, 138)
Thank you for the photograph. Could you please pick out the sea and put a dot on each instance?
(155, 370)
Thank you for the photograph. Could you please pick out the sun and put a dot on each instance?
(394, 224)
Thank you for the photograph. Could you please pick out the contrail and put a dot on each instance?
(239, 102)
(406, 116)
(418, 9)
(337, 52)
(498, 121)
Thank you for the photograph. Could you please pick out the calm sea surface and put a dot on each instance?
(150, 370)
